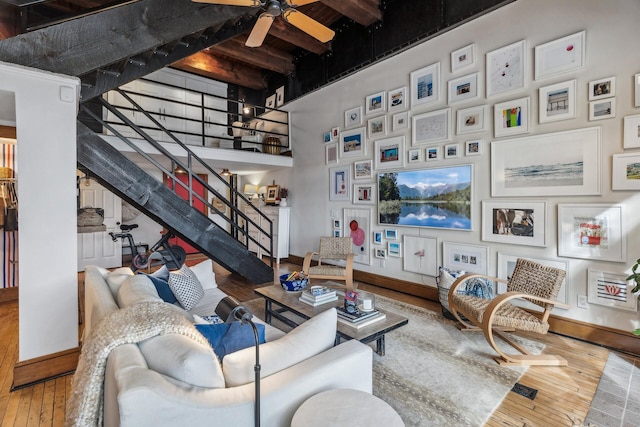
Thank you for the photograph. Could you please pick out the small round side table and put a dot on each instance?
(345, 407)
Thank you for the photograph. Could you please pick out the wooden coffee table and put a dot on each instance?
(277, 301)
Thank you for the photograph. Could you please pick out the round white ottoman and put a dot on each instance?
(345, 407)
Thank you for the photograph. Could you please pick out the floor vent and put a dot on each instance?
(525, 391)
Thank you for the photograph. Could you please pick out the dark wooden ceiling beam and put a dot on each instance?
(364, 12)
(264, 57)
(291, 34)
(223, 70)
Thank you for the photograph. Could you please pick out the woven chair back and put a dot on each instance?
(335, 247)
(536, 279)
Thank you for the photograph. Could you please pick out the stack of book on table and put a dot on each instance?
(360, 318)
(318, 296)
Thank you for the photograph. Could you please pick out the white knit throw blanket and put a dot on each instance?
(131, 324)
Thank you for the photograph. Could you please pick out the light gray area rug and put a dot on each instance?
(433, 374)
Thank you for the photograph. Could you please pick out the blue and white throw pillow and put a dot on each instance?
(186, 287)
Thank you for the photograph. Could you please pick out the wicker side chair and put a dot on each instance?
(531, 281)
(332, 248)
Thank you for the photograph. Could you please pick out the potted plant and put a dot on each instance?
(635, 276)
(284, 192)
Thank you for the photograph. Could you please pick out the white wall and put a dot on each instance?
(611, 27)
(46, 110)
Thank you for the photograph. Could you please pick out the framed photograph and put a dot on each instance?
(389, 153)
(511, 117)
(636, 84)
(362, 169)
(337, 224)
(280, 96)
(604, 109)
(398, 99)
(560, 56)
(507, 263)
(592, 231)
(335, 133)
(451, 151)
(353, 117)
(331, 153)
(463, 57)
(463, 88)
(473, 148)
(326, 137)
(425, 85)
(632, 131)
(603, 88)
(471, 120)
(270, 102)
(407, 197)
(432, 153)
(514, 222)
(394, 249)
(505, 69)
(626, 172)
(353, 143)
(339, 183)
(555, 164)
(337, 233)
(557, 102)
(377, 237)
(272, 193)
(391, 234)
(400, 121)
(611, 290)
(364, 194)
(420, 255)
(431, 127)
(414, 155)
(380, 253)
(468, 258)
(377, 126)
(357, 225)
(376, 103)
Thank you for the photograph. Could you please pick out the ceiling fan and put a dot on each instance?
(273, 9)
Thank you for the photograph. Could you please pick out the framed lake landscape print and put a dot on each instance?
(425, 85)
(555, 164)
(560, 56)
(431, 127)
(353, 143)
(514, 222)
(511, 117)
(435, 198)
(557, 102)
(505, 69)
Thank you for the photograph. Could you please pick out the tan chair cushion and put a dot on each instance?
(327, 270)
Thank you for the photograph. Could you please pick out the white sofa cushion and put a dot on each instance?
(136, 289)
(186, 287)
(310, 338)
(116, 278)
(183, 359)
(204, 273)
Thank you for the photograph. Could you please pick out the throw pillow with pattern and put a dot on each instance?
(186, 287)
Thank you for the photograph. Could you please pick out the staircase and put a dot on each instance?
(109, 49)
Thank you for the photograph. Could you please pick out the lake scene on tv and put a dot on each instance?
(438, 198)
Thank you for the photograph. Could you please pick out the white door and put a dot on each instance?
(98, 248)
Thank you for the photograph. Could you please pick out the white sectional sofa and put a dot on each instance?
(171, 380)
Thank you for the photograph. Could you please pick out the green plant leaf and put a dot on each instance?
(636, 332)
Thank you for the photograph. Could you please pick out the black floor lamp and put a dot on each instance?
(229, 309)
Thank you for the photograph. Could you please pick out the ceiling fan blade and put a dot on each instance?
(231, 2)
(260, 30)
(308, 25)
(296, 3)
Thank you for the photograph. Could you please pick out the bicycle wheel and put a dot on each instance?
(139, 262)
(179, 254)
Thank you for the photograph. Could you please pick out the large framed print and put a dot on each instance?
(632, 131)
(463, 88)
(505, 69)
(339, 183)
(560, 56)
(611, 290)
(592, 231)
(463, 57)
(425, 85)
(420, 255)
(353, 117)
(431, 127)
(555, 164)
(398, 99)
(434, 198)
(507, 263)
(463, 257)
(471, 120)
(511, 117)
(353, 143)
(625, 173)
(357, 225)
(557, 102)
(389, 153)
(514, 222)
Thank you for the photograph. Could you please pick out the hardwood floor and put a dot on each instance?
(563, 398)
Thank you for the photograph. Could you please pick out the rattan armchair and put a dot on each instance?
(534, 282)
(332, 248)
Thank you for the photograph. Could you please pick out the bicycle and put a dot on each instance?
(172, 256)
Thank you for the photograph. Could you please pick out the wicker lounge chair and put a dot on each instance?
(332, 248)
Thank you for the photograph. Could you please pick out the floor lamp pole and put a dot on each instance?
(256, 368)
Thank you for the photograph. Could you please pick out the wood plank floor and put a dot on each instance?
(563, 397)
